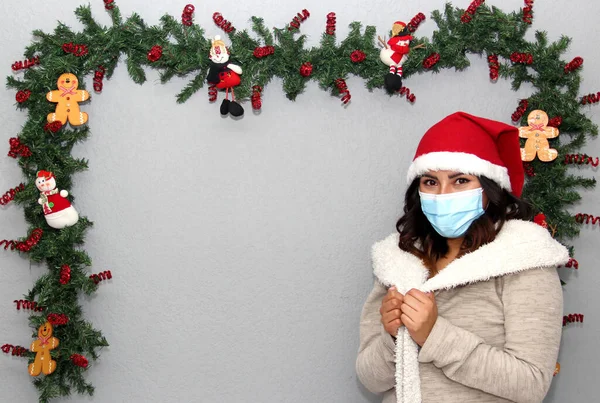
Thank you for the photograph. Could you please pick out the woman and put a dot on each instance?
(467, 303)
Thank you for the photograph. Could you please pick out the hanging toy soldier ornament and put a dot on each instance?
(224, 75)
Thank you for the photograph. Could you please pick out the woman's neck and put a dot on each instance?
(453, 251)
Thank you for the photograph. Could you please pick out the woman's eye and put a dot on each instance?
(429, 182)
(462, 181)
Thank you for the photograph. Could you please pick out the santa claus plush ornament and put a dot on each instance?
(224, 75)
(394, 55)
(57, 209)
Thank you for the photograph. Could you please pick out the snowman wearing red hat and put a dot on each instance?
(394, 54)
(57, 209)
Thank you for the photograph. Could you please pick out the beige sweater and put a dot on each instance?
(497, 335)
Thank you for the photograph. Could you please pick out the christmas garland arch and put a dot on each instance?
(178, 47)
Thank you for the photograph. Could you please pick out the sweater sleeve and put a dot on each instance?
(521, 371)
(375, 364)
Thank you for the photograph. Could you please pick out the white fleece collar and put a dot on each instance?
(520, 245)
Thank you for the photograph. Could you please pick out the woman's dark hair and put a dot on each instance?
(417, 235)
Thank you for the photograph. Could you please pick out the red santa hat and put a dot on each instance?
(472, 145)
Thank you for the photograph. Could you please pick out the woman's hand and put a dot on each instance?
(419, 313)
(390, 311)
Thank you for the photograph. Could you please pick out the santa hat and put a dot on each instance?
(472, 145)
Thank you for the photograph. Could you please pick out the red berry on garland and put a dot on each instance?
(79, 360)
(155, 53)
(53, 127)
(306, 69)
(357, 56)
(65, 274)
(22, 96)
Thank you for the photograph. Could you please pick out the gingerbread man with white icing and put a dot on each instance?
(67, 97)
(41, 347)
(537, 135)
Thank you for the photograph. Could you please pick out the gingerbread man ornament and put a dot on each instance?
(67, 98)
(537, 135)
(42, 346)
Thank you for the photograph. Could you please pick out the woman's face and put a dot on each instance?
(443, 182)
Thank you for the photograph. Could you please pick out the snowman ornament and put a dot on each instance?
(224, 75)
(57, 209)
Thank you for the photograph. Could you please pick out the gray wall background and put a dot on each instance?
(240, 249)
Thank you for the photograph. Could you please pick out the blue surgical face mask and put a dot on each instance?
(452, 214)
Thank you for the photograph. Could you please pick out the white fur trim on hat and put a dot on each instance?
(461, 162)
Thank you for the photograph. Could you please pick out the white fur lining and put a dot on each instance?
(519, 246)
(457, 161)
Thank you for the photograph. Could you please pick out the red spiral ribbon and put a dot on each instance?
(28, 305)
(187, 17)
(53, 127)
(528, 11)
(572, 318)
(24, 246)
(406, 91)
(581, 159)
(223, 23)
(306, 69)
(105, 275)
(58, 319)
(494, 67)
(529, 169)
(22, 96)
(573, 65)
(590, 99)
(65, 274)
(330, 25)
(521, 109)
(212, 93)
(79, 360)
(340, 83)
(75, 48)
(255, 98)
(98, 77)
(358, 56)
(415, 22)
(470, 11)
(523, 58)
(431, 60)
(18, 351)
(10, 195)
(572, 263)
(155, 53)
(555, 121)
(298, 19)
(26, 64)
(587, 218)
(263, 51)
(109, 4)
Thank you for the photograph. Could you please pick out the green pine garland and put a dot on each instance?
(185, 50)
